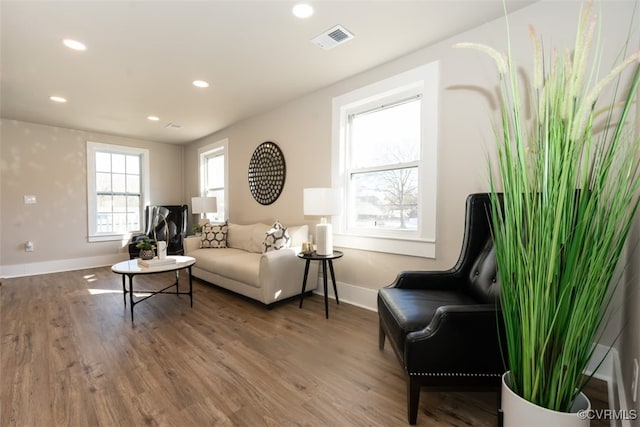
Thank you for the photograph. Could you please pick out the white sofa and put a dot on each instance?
(242, 267)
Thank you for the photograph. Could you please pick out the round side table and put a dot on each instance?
(324, 260)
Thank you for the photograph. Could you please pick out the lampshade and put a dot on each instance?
(322, 201)
(204, 205)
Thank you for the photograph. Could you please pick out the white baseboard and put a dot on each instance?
(617, 393)
(354, 295)
(45, 267)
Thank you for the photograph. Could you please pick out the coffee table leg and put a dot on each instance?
(131, 295)
(304, 281)
(124, 290)
(190, 287)
(177, 281)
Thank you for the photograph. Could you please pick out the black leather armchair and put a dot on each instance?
(160, 221)
(445, 326)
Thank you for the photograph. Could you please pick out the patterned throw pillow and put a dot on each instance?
(276, 238)
(214, 235)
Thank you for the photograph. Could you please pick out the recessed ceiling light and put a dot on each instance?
(57, 99)
(200, 83)
(74, 44)
(153, 118)
(302, 10)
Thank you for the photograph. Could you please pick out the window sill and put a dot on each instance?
(110, 237)
(393, 245)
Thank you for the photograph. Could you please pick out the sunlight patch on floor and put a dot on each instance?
(94, 291)
(103, 291)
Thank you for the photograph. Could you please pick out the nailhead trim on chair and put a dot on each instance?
(451, 374)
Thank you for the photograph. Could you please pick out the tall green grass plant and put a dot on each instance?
(570, 177)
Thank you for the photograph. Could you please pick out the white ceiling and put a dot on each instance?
(143, 55)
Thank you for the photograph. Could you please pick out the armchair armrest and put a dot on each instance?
(448, 316)
(461, 339)
(447, 279)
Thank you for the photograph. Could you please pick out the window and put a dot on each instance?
(117, 185)
(384, 148)
(382, 171)
(213, 177)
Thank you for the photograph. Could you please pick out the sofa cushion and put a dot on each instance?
(299, 234)
(247, 237)
(244, 268)
(235, 264)
(214, 235)
(277, 237)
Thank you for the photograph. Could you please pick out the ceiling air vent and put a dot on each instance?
(174, 126)
(333, 37)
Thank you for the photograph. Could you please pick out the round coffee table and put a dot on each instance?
(131, 269)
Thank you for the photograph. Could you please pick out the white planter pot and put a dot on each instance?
(518, 412)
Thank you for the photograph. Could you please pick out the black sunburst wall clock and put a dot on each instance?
(267, 171)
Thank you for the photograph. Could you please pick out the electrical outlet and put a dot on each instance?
(634, 383)
(28, 247)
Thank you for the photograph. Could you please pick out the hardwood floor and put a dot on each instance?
(71, 357)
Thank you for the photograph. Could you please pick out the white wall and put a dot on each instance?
(50, 163)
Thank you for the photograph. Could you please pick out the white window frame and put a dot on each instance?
(92, 148)
(422, 81)
(217, 148)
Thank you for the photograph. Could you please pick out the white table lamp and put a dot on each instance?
(323, 202)
(203, 205)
